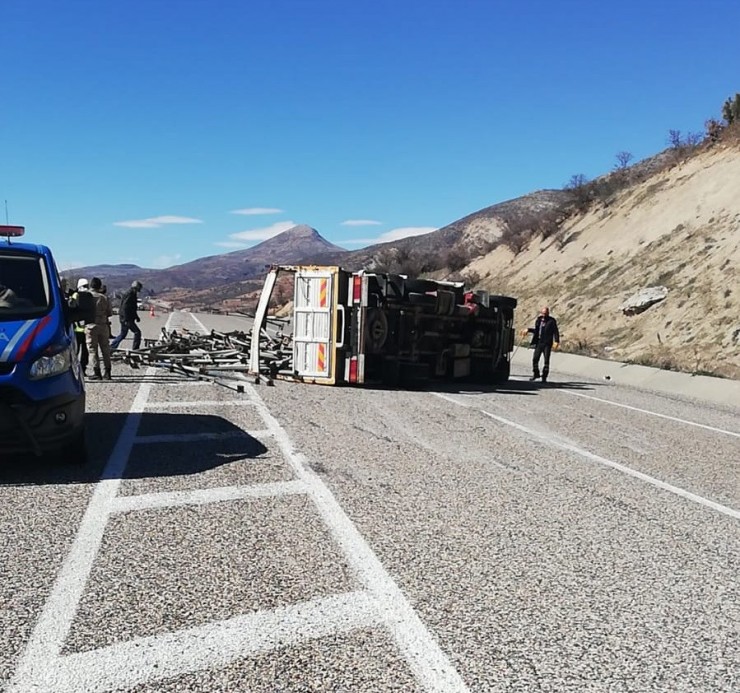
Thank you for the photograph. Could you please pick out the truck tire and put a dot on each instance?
(376, 330)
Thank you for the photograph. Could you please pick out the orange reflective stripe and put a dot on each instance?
(322, 357)
(322, 293)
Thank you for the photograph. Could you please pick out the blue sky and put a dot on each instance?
(159, 131)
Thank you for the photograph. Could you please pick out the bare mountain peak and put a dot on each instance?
(303, 237)
(302, 231)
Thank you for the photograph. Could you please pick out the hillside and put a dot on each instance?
(470, 236)
(672, 220)
(679, 228)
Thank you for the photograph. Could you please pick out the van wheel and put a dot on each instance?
(75, 452)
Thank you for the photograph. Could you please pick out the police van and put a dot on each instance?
(42, 390)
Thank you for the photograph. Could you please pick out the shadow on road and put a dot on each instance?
(147, 460)
(510, 387)
(515, 387)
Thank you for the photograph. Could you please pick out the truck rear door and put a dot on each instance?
(318, 324)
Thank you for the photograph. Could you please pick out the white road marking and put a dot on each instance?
(652, 413)
(549, 440)
(203, 329)
(42, 651)
(169, 499)
(430, 665)
(202, 403)
(199, 437)
(42, 669)
(209, 646)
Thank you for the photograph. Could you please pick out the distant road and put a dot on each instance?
(582, 537)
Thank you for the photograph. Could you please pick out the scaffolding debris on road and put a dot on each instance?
(220, 357)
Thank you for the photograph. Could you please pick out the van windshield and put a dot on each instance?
(24, 286)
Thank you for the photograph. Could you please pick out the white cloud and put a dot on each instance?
(165, 261)
(361, 222)
(393, 235)
(65, 265)
(262, 234)
(405, 232)
(256, 211)
(156, 222)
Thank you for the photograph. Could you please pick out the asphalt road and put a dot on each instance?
(583, 537)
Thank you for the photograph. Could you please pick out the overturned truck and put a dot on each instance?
(389, 329)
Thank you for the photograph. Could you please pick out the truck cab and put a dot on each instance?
(42, 391)
(390, 329)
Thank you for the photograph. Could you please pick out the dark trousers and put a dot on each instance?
(82, 348)
(125, 327)
(541, 350)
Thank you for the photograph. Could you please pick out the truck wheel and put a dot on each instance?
(376, 330)
(75, 452)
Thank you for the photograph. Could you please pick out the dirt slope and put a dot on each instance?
(680, 229)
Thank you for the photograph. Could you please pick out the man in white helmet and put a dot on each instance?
(82, 353)
(129, 316)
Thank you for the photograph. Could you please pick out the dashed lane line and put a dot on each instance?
(581, 452)
(653, 413)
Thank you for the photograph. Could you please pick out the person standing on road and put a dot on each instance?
(79, 328)
(129, 316)
(98, 333)
(545, 338)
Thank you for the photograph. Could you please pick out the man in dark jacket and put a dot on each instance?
(129, 316)
(545, 338)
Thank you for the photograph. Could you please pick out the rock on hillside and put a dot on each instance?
(679, 228)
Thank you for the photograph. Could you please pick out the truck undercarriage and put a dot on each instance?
(389, 329)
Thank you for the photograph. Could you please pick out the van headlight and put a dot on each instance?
(48, 366)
